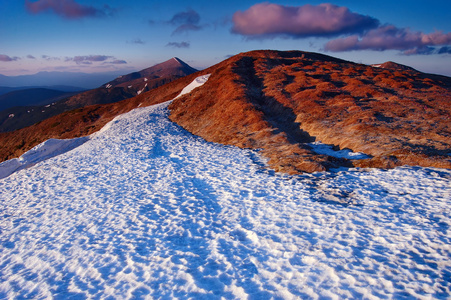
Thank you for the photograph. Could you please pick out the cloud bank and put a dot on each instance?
(178, 45)
(389, 37)
(352, 31)
(90, 59)
(65, 8)
(266, 20)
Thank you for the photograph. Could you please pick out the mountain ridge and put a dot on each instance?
(63, 88)
(46, 78)
(31, 97)
(279, 102)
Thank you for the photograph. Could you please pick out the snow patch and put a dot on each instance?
(199, 81)
(321, 148)
(140, 91)
(108, 86)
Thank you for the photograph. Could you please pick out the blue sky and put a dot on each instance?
(99, 36)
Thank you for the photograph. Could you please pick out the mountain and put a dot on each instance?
(142, 209)
(63, 88)
(133, 84)
(84, 80)
(123, 87)
(31, 97)
(5, 89)
(173, 67)
(281, 102)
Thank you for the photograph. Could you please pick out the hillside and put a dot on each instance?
(280, 102)
(123, 87)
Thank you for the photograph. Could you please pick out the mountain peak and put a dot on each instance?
(172, 67)
(176, 62)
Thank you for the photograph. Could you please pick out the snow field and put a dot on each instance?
(143, 209)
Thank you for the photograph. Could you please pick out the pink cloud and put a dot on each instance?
(65, 8)
(88, 59)
(266, 20)
(6, 58)
(91, 59)
(389, 37)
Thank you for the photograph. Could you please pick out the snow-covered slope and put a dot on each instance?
(143, 209)
(43, 151)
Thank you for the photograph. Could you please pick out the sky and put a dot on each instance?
(124, 36)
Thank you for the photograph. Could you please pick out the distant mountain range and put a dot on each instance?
(32, 97)
(62, 88)
(279, 102)
(77, 79)
(24, 108)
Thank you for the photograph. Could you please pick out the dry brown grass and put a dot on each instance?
(279, 100)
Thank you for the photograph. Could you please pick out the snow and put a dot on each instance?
(199, 81)
(140, 91)
(145, 210)
(41, 152)
(321, 148)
